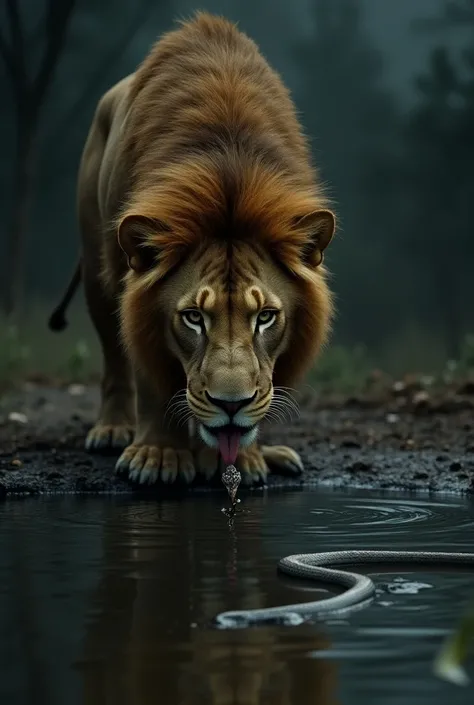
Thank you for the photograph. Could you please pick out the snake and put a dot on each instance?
(359, 588)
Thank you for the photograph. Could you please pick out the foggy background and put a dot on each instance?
(385, 90)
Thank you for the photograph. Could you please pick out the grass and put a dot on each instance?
(342, 368)
(30, 349)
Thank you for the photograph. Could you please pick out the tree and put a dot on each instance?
(45, 117)
(99, 77)
(29, 90)
(353, 122)
(454, 14)
(433, 237)
(439, 141)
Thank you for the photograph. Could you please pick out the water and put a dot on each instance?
(111, 601)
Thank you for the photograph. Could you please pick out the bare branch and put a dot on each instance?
(97, 79)
(7, 55)
(37, 33)
(59, 15)
(459, 14)
(453, 15)
(13, 12)
(14, 54)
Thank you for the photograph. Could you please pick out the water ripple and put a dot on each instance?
(375, 518)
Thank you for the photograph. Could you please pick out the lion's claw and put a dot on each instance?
(282, 460)
(253, 467)
(108, 436)
(149, 464)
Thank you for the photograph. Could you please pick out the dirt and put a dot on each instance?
(398, 436)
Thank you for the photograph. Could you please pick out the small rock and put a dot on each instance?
(398, 387)
(420, 476)
(455, 466)
(76, 390)
(467, 388)
(359, 466)
(350, 443)
(17, 417)
(16, 462)
(392, 418)
(54, 476)
(421, 398)
(453, 404)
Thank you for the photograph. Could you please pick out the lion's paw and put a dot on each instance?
(252, 466)
(149, 464)
(282, 460)
(109, 437)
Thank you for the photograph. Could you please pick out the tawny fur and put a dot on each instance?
(212, 128)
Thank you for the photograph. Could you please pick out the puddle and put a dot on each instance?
(111, 601)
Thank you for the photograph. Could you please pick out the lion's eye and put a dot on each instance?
(193, 319)
(266, 318)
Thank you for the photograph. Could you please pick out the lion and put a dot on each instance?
(203, 226)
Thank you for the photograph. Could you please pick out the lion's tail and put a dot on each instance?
(57, 320)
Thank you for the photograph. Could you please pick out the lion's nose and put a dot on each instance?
(230, 407)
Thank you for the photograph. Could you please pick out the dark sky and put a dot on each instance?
(389, 24)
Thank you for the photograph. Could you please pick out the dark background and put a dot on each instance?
(386, 93)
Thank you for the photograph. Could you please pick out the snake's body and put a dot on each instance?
(359, 588)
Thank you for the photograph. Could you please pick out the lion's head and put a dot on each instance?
(228, 309)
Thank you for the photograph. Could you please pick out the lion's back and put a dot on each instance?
(207, 80)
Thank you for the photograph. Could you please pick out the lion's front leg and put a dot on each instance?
(161, 449)
(256, 462)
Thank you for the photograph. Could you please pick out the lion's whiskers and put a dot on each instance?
(283, 406)
(178, 409)
(176, 397)
(185, 418)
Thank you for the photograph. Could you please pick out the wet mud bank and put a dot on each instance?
(398, 439)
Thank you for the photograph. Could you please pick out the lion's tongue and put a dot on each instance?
(229, 445)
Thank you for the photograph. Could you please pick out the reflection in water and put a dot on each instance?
(112, 601)
(143, 639)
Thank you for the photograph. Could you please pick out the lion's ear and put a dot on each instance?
(320, 226)
(135, 234)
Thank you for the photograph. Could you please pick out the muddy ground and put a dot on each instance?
(402, 436)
